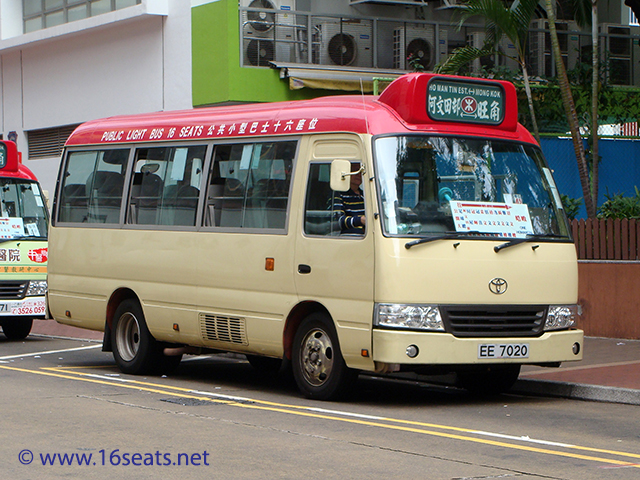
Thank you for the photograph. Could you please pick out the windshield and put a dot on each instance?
(431, 185)
(23, 210)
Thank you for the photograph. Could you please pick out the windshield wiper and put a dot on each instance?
(445, 236)
(528, 238)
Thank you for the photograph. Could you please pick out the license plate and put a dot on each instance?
(503, 350)
(4, 307)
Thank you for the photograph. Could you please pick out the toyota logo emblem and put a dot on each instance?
(498, 286)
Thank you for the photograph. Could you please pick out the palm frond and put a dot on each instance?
(462, 57)
(581, 10)
(522, 13)
(502, 20)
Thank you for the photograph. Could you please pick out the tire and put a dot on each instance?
(489, 380)
(17, 328)
(134, 348)
(318, 367)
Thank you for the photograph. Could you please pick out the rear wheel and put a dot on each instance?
(134, 348)
(17, 328)
(318, 367)
(489, 380)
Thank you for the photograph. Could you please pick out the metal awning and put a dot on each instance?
(344, 78)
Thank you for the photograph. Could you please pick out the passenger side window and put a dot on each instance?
(331, 213)
(165, 186)
(249, 185)
(92, 186)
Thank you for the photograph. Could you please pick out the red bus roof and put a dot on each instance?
(22, 172)
(412, 103)
(13, 168)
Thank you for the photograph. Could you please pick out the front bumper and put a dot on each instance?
(390, 346)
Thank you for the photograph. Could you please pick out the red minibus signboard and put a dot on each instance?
(462, 101)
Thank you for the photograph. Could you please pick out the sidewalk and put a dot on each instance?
(609, 371)
(55, 329)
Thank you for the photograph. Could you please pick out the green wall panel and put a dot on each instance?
(217, 75)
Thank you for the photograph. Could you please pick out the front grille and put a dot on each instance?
(223, 329)
(12, 290)
(494, 320)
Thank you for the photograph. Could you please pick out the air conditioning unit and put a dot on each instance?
(541, 60)
(419, 41)
(506, 58)
(508, 54)
(269, 34)
(346, 44)
(621, 52)
(476, 40)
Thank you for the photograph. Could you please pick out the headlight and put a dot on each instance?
(420, 317)
(561, 317)
(36, 287)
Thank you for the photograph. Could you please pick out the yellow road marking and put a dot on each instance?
(400, 425)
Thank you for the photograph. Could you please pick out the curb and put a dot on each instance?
(577, 391)
(64, 337)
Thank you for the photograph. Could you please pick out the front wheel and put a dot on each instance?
(17, 328)
(318, 367)
(134, 348)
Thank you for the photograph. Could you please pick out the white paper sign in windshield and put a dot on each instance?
(11, 227)
(503, 219)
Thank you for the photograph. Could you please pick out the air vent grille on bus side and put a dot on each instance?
(494, 320)
(223, 329)
(12, 290)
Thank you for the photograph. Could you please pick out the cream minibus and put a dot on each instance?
(420, 230)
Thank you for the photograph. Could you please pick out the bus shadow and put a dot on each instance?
(237, 374)
(231, 374)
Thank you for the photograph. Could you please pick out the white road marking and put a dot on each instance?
(9, 357)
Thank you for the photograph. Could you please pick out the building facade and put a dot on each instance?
(128, 60)
(63, 62)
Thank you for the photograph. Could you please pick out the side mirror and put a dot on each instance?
(340, 173)
(3, 154)
(8, 156)
(45, 194)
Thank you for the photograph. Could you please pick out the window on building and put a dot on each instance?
(39, 14)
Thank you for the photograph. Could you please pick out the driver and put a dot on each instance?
(349, 205)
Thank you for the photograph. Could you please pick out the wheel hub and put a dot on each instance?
(128, 336)
(317, 357)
